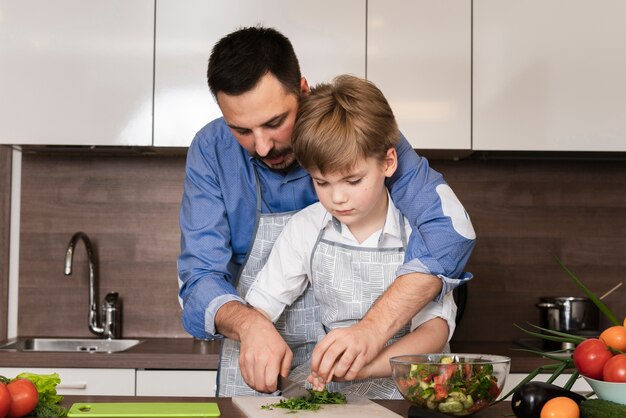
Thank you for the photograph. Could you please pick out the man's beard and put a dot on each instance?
(288, 160)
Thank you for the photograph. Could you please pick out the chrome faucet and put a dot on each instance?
(110, 325)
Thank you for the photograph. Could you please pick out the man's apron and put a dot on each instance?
(346, 281)
(299, 323)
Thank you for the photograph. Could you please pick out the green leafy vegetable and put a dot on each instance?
(311, 403)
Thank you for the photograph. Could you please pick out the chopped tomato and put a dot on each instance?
(440, 392)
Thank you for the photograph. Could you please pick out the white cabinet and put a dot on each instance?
(549, 75)
(328, 37)
(176, 383)
(112, 382)
(419, 55)
(75, 72)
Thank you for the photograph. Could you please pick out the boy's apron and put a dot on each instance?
(346, 281)
(299, 323)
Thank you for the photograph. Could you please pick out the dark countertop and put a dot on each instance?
(151, 353)
(188, 353)
(229, 410)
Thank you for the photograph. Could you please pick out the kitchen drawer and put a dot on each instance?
(176, 382)
(85, 381)
(581, 386)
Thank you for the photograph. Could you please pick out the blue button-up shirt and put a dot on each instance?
(218, 219)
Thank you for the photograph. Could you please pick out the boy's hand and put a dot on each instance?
(342, 354)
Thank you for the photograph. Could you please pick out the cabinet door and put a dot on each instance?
(176, 382)
(419, 55)
(327, 35)
(549, 75)
(112, 382)
(75, 72)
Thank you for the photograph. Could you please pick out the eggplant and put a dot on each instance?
(529, 398)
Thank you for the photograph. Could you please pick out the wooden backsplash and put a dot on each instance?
(525, 213)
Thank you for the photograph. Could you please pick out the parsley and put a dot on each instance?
(311, 403)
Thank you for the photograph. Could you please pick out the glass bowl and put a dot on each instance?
(609, 391)
(452, 384)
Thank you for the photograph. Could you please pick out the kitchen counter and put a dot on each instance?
(188, 353)
(229, 410)
(161, 353)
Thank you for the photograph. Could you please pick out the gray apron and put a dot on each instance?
(346, 281)
(299, 323)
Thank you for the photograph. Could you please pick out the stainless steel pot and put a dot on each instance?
(574, 315)
(568, 314)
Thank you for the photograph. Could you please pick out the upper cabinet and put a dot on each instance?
(419, 55)
(327, 35)
(76, 72)
(549, 75)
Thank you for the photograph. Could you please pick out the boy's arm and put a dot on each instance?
(429, 337)
(284, 277)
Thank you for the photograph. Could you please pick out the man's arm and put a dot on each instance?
(205, 282)
(441, 242)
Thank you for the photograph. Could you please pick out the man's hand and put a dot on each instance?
(263, 353)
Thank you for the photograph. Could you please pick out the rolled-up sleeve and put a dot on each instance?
(442, 237)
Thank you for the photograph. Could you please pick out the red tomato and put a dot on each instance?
(614, 337)
(5, 400)
(560, 407)
(24, 397)
(615, 369)
(590, 357)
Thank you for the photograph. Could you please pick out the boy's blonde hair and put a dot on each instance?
(342, 122)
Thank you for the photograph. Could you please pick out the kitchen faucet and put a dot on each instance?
(110, 326)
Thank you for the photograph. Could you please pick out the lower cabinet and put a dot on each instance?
(115, 382)
(176, 382)
(513, 379)
(127, 382)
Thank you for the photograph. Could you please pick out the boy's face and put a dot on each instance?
(358, 197)
(262, 120)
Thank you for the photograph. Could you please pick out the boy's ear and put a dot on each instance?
(391, 162)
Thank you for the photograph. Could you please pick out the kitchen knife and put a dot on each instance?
(290, 389)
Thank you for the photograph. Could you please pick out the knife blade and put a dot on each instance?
(290, 389)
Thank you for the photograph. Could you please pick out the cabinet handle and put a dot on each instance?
(77, 385)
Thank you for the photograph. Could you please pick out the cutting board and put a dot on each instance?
(144, 409)
(355, 408)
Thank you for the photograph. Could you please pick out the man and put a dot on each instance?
(242, 185)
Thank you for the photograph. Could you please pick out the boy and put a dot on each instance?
(350, 244)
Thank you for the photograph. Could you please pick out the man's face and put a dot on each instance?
(262, 120)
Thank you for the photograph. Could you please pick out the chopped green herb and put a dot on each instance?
(311, 403)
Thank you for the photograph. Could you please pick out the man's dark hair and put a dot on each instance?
(240, 59)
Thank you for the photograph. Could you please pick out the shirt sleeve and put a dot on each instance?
(442, 237)
(205, 282)
(286, 274)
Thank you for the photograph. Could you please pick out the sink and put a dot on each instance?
(87, 345)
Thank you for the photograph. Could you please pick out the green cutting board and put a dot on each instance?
(144, 409)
